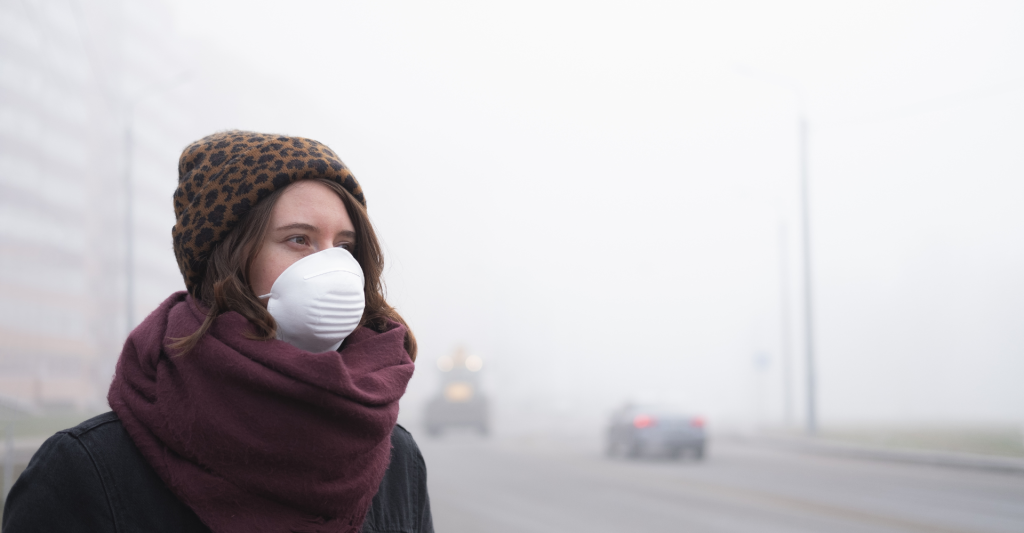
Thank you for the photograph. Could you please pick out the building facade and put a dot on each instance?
(92, 117)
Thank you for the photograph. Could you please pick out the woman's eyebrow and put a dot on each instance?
(299, 225)
(347, 233)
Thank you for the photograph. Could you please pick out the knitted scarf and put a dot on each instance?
(259, 435)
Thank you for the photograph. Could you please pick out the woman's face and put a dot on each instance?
(307, 218)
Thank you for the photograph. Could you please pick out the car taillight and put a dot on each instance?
(643, 421)
(697, 422)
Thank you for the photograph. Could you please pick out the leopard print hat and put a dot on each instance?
(222, 176)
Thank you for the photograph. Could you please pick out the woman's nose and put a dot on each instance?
(321, 245)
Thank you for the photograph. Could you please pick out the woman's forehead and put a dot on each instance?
(311, 203)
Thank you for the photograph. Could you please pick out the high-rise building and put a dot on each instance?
(94, 109)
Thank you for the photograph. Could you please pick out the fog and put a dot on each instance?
(599, 199)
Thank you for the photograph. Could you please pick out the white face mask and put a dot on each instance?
(318, 300)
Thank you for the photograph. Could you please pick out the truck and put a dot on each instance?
(459, 401)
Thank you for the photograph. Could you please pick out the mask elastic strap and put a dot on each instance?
(265, 295)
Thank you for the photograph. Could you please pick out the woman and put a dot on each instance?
(265, 397)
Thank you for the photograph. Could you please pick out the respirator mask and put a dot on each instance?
(318, 300)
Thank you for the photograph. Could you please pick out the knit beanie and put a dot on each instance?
(222, 176)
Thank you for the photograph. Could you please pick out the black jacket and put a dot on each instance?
(92, 478)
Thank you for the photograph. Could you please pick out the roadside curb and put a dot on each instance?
(1008, 465)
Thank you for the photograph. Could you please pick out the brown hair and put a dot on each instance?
(225, 287)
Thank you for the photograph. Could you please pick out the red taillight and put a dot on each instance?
(697, 422)
(643, 421)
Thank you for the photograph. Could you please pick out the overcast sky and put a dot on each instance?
(598, 197)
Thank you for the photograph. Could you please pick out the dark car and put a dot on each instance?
(459, 403)
(638, 430)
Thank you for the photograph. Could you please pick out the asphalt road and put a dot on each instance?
(521, 485)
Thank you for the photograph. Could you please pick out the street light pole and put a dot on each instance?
(812, 393)
(805, 212)
(129, 212)
(129, 232)
(787, 345)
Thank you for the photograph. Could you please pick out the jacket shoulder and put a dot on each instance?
(93, 476)
(61, 489)
(105, 423)
(403, 443)
(407, 464)
(402, 503)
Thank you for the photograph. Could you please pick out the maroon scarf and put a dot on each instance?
(260, 435)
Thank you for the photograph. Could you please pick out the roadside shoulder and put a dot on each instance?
(1009, 465)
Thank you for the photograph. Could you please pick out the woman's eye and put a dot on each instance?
(346, 245)
(300, 240)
